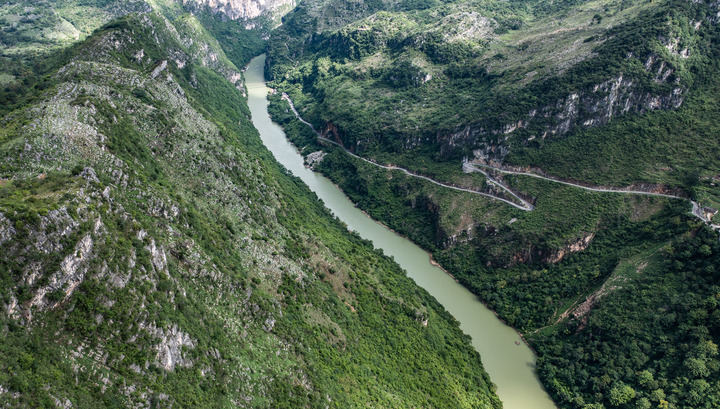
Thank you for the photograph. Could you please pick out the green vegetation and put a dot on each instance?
(239, 44)
(400, 83)
(631, 261)
(37, 38)
(650, 341)
(605, 93)
(153, 254)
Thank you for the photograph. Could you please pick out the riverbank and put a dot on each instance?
(510, 366)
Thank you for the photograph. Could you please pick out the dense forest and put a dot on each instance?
(614, 291)
(653, 343)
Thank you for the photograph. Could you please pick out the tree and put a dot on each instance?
(621, 394)
(697, 367)
(643, 403)
(645, 378)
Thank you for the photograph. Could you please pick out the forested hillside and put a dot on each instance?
(454, 80)
(153, 253)
(613, 290)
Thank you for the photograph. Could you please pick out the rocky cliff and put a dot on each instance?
(245, 9)
(403, 80)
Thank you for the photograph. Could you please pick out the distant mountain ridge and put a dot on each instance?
(246, 9)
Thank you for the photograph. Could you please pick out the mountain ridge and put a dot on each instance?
(155, 255)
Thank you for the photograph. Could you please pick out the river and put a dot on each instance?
(508, 361)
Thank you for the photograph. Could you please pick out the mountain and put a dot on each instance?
(567, 108)
(153, 253)
(244, 9)
(454, 80)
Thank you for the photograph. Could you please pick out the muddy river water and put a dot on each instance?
(508, 361)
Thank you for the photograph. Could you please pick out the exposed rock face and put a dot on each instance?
(464, 26)
(311, 160)
(171, 347)
(586, 108)
(6, 229)
(70, 272)
(591, 106)
(52, 235)
(158, 258)
(245, 9)
(160, 68)
(579, 245)
(614, 97)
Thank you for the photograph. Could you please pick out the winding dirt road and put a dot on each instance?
(696, 209)
(476, 167)
(525, 205)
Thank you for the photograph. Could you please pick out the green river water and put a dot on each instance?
(508, 361)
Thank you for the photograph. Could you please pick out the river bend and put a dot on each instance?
(508, 361)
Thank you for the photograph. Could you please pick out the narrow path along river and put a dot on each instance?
(525, 205)
(510, 363)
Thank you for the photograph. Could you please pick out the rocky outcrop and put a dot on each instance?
(586, 108)
(159, 69)
(71, 272)
(6, 229)
(615, 97)
(170, 349)
(592, 106)
(33, 244)
(574, 247)
(465, 26)
(157, 257)
(245, 9)
(313, 159)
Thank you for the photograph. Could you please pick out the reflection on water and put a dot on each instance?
(506, 358)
